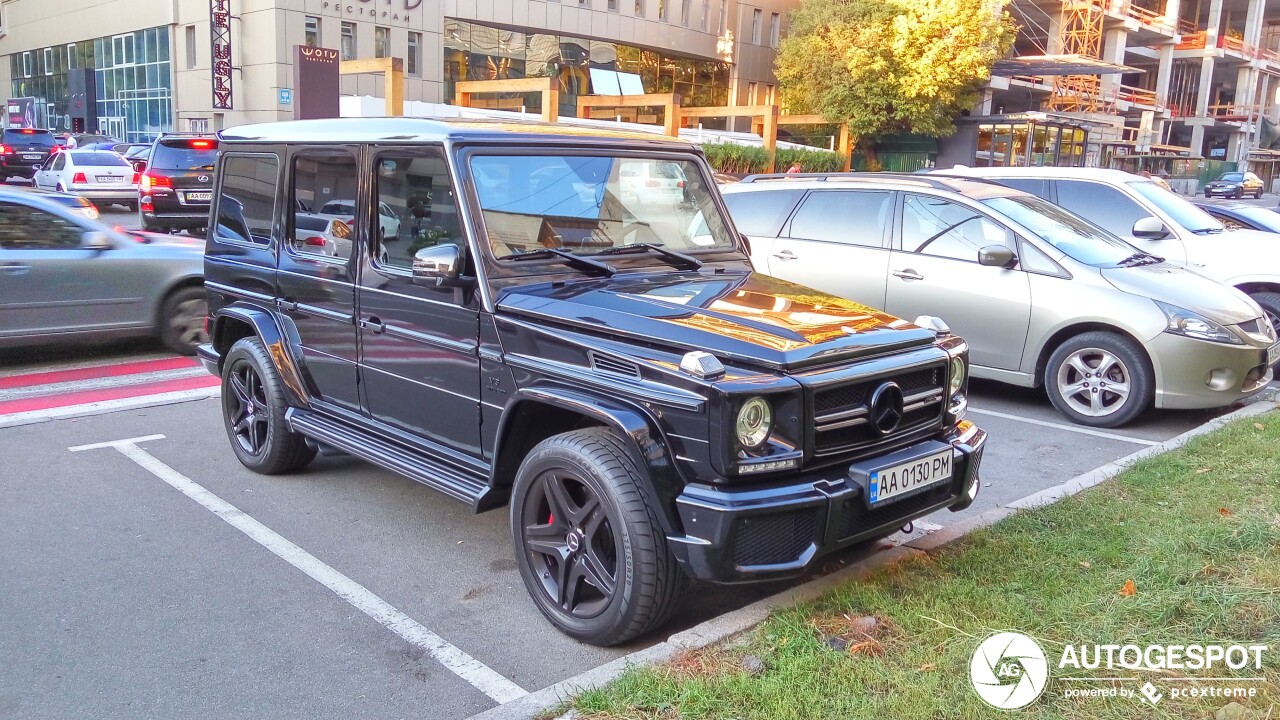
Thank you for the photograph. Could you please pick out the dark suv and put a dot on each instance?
(174, 191)
(651, 409)
(23, 151)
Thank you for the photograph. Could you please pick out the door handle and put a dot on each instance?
(786, 255)
(373, 324)
(908, 274)
(287, 304)
(15, 269)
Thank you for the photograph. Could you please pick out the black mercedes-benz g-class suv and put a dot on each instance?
(651, 409)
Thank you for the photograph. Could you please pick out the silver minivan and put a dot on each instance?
(1042, 296)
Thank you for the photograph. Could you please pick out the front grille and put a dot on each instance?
(840, 413)
(774, 538)
(856, 517)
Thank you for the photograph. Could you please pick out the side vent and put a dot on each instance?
(613, 365)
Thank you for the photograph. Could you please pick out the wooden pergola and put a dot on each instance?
(392, 71)
(669, 102)
(464, 92)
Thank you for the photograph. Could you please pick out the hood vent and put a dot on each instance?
(613, 365)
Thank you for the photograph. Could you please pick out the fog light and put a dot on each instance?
(1220, 379)
(771, 466)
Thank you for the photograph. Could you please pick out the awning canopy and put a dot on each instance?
(1058, 65)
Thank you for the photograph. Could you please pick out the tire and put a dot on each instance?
(182, 320)
(1239, 193)
(1075, 365)
(59, 189)
(1270, 303)
(589, 480)
(259, 434)
(1258, 195)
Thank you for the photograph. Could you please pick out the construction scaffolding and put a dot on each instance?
(1080, 34)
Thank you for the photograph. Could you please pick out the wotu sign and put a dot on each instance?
(220, 30)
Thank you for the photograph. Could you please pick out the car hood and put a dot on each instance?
(748, 317)
(1233, 254)
(1224, 183)
(1189, 290)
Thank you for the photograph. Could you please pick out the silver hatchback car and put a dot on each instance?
(67, 278)
(1042, 296)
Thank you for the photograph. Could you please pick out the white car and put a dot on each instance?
(101, 176)
(1158, 222)
(322, 235)
(346, 209)
(651, 182)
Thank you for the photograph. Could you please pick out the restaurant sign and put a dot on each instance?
(220, 29)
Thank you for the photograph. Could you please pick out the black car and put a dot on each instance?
(1235, 185)
(1241, 216)
(178, 182)
(650, 408)
(23, 150)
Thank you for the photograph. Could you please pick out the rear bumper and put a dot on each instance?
(128, 194)
(780, 531)
(183, 218)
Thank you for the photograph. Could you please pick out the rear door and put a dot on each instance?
(837, 241)
(47, 176)
(760, 216)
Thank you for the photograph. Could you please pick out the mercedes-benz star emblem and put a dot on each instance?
(886, 408)
(203, 178)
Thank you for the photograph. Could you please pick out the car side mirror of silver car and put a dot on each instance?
(997, 256)
(1149, 228)
(437, 266)
(96, 240)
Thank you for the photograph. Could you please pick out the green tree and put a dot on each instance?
(891, 66)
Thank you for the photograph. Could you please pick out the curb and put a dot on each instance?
(732, 623)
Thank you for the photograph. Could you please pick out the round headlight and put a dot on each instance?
(957, 375)
(755, 419)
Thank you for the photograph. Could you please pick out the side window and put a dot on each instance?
(59, 161)
(1101, 204)
(1032, 259)
(761, 214)
(247, 199)
(850, 217)
(933, 226)
(327, 180)
(418, 192)
(27, 228)
(1035, 186)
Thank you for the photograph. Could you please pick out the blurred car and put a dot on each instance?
(138, 155)
(99, 175)
(23, 150)
(1235, 185)
(55, 263)
(178, 183)
(1158, 222)
(1043, 297)
(79, 204)
(325, 234)
(346, 210)
(84, 140)
(652, 182)
(725, 178)
(1241, 216)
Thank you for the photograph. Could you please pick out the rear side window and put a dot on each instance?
(44, 138)
(761, 214)
(327, 180)
(1102, 205)
(185, 154)
(849, 217)
(247, 199)
(1035, 186)
(99, 159)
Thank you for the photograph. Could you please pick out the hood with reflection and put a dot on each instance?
(745, 316)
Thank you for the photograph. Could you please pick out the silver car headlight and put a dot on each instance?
(755, 420)
(956, 374)
(1188, 324)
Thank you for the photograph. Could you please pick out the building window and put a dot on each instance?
(751, 94)
(723, 23)
(413, 62)
(775, 28)
(191, 46)
(26, 64)
(198, 125)
(685, 9)
(122, 48)
(71, 56)
(348, 41)
(639, 8)
(613, 5)
(706, 15)
(311, 31)
(381, 42)
(768, 95)
(48, 61)
(662, 10)
(757, 16)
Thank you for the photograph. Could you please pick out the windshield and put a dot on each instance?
(1182, 212)
(99, 159)
(29, 137)
(586, 205)
(1232, 177)
(1074, 236)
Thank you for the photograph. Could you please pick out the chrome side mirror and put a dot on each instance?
(96, 240)
(1150, 228)
(437, 265)
(997, 256)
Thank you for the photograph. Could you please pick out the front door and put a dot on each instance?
(419, 362)
(314, 276)
(934, 270)
(1111, 208)
(47, 175)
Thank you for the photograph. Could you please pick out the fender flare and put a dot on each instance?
(282, 345)
(661, 480)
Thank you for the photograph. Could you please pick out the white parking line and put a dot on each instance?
(1062, 426)
(479, 675)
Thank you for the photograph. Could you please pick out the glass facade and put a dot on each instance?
(1030, 144)
(134, 75)
(481, 52)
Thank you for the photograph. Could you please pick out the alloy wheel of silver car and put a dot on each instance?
(1094, 382)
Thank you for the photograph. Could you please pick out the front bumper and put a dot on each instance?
(1223, 191)
(779, 531)
(1192, 374)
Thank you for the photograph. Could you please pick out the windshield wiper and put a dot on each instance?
(1207, 231)
(1140, 259)
(578, 261)
(676, 258)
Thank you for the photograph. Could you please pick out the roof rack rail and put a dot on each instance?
(757, 177)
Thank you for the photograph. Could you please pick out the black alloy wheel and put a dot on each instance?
(253, 412)
(248, 408)
(572, 545)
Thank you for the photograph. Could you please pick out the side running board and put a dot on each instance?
(456, 483)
